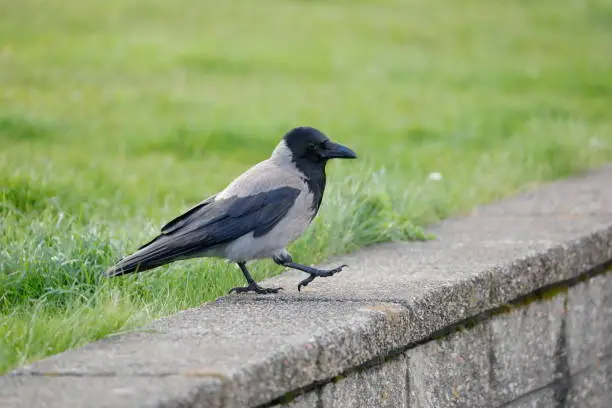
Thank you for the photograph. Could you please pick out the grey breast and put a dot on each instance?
(267, 176)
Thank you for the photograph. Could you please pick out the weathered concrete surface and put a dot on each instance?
(524, 348)
(541, 399)
(382, 386)
(249, 350)
(589, 311)
(592, 388)
(452, 371)
(268, 349)
(109, 391)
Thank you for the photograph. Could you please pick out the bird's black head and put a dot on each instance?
(308, 144)
(308, 150)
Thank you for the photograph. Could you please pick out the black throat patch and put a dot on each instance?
(314, 175)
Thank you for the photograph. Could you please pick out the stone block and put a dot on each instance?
(380, 386)
(524, 343)
(591, 388)
(540, 399)
(452, 371)
(589, 322)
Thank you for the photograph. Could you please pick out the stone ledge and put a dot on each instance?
(251, 350)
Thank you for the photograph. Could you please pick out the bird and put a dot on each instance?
(255, 217)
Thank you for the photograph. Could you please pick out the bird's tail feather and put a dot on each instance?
(149, 256)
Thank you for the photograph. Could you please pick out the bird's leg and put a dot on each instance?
(285, 260)
(253, 286)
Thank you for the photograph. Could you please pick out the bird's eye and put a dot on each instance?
(311, 146)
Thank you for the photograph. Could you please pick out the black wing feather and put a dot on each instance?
(182, 219)
(231, 218)
(208, 224)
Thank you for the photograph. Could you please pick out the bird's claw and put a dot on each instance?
(323, 273)
(253, 288)
(305, 282)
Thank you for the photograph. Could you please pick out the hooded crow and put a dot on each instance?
(256, 216)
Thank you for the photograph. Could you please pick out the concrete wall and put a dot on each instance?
(508, 307)
(549, 349)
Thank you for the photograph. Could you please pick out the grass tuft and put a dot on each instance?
(16, 128)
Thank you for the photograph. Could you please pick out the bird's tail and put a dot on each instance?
(151, 255)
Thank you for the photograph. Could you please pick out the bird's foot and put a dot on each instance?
(254, 288)
(322, 273)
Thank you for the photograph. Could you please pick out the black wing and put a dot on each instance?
(210, 223)
(216, 222)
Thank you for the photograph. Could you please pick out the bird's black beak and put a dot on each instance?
(337, 151)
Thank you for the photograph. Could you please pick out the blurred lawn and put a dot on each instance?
(115, 116)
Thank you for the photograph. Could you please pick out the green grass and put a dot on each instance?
(116, 116)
